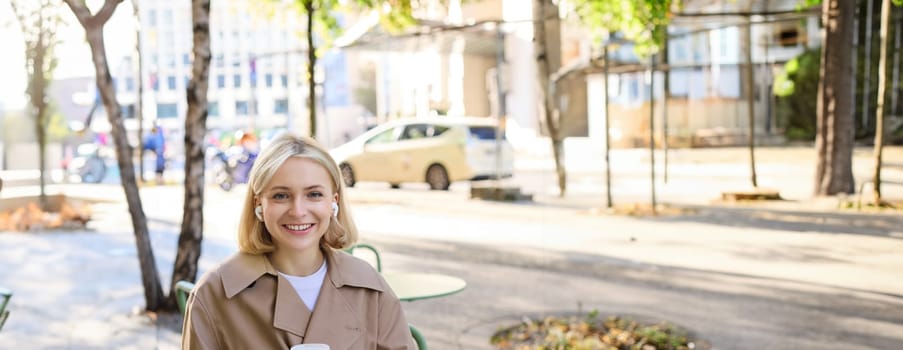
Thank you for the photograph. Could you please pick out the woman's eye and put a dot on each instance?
(280, 196)
(315, 194)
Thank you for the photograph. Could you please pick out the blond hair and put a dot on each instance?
(253, 237)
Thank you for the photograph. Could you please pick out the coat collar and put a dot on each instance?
(333, 320)
(242, 270)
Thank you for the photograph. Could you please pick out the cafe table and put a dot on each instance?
(411, 286)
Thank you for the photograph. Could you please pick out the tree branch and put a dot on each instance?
(81, 11)
(84, 16)
(106, 11)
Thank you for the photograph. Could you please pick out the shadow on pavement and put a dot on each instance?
(728, 310)
(883, 225)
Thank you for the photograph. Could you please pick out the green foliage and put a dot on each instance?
(57, 129)
(796, 88)
(645, 22)
(394, 15)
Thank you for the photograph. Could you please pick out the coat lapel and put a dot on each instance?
(289, 314)
(334, 321)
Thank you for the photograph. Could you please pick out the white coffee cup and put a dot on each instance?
(310, 347)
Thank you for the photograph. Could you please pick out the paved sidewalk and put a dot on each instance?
(82, 290)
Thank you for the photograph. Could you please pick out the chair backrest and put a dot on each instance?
(183, 288)
(5, 295)
(379, 262)
(418, 337)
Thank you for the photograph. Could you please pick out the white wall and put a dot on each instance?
(521, 100)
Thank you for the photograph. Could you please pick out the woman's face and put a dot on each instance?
(297, 205)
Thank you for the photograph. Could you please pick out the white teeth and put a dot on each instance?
(298, 227)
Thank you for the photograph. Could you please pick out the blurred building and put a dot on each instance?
(706, 58)
(446, 65)
(257, 69)
(255, 63)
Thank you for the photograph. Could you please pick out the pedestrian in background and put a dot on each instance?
(156, 142)
(291, 282)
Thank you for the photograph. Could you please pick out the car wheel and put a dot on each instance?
(437, 177)
(347, 175)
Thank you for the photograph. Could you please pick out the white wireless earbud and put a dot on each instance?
(335, 209)
(259, 212)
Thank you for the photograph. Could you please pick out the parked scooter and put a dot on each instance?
(88, 165)
(232, 166)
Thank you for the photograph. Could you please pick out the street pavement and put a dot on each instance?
(825, 269)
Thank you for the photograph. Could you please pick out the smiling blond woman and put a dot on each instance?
(291, 283)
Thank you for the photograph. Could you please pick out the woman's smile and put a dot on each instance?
(299, 229)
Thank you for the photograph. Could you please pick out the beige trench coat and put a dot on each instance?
(245, 304)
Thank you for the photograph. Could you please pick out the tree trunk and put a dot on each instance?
(834, 127)
(546, 49)
(38, 27)
(93, 26)
(139, 100)
(867, 66)
(879, 113)
(750, 87)
(311, 69)
(37, 98)
(192, 232)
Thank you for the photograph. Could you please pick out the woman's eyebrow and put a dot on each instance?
(286, 188)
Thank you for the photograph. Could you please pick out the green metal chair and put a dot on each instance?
(183, 288)
(379, 262)
(5, 295)
(418, 337)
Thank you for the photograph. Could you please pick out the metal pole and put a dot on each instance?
(501, 107)
(288, 96)
(328, 136)
(608, 202)
(665, 97)
(652, 129)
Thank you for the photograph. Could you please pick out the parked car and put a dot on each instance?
(435, 150)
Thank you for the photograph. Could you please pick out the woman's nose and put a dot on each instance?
(300, 208)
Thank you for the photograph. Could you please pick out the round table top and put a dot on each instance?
(409, 286)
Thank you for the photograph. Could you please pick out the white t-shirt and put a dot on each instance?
(308, 287)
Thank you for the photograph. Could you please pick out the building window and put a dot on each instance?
(128, 111)
(170, 61)
(212, 109)
(268, 79)
(219, 61)
(284, 79)
(280, 106)
(241, 107)
(788, 37)
(220, 81)
(167, 17)
(186, 59)
(152, 18)
(129, 84)
(171, 82)
(236, 80)
(167, 110)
